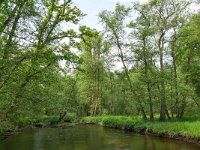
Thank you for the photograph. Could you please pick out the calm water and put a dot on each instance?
(88, 137)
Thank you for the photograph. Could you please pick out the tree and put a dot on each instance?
(142, 32)
(187, 50)
(30, 33)
(164, 16)
(93, 47)
(114, 25)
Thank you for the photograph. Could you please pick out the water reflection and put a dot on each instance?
(88, 138)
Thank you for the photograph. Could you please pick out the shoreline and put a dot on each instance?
(4, 135)
(147, 131)
(131, 126)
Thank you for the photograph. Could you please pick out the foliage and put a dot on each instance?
(6, 127)
(40, 120)
(47, 68)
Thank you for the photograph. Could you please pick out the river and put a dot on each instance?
(88, 137)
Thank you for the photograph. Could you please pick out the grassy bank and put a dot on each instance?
(187, 129)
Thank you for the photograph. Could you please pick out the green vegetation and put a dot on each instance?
(50, 65)
(184, 128)
(7, 127)
(173, 128)
(39, 120)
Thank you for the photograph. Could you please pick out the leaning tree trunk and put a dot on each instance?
(135, 94)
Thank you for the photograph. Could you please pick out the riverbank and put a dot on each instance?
(6, 129)
(9, 128)
(187, 130)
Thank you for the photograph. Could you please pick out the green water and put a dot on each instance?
(88, 137)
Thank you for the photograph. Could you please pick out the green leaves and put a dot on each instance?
(188, 50)
(32, 47)
(114, 21)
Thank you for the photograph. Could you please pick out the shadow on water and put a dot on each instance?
(88, 137)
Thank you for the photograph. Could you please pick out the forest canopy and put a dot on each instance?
(47, 67)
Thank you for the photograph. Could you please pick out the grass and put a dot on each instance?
(187, 127)
(184, 128)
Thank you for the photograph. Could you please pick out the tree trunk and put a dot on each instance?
(138, 101)
(175, 76)
(163, 105)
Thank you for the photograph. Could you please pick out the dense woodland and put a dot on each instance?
(145, 62)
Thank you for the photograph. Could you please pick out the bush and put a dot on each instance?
(6, 126)
(71, 118)
(43, 120)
